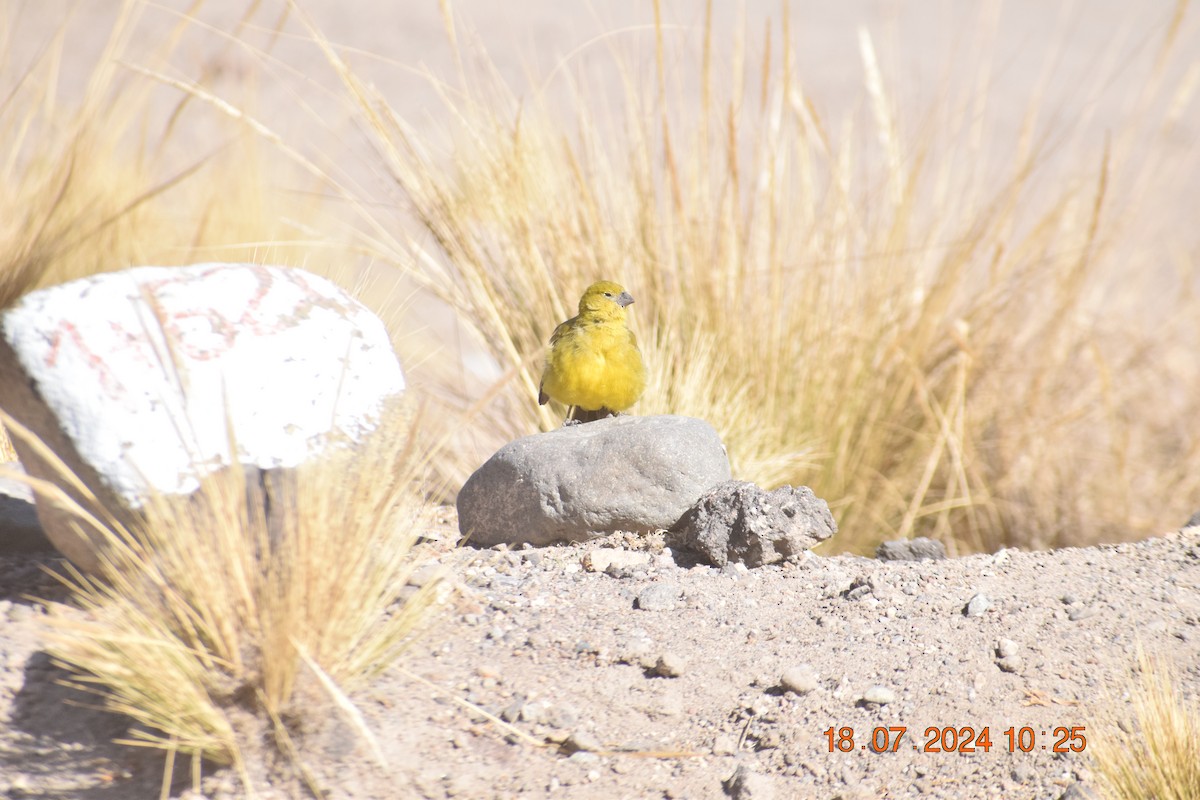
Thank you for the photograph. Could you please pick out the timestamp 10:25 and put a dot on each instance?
(963, 739)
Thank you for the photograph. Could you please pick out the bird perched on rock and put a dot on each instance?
(594, 365)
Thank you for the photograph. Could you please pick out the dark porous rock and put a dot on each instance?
(740, 522)
(581, 481)
(921, 549)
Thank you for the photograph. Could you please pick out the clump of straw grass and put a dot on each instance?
(895, 308)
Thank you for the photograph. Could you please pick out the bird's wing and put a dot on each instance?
(561, 330)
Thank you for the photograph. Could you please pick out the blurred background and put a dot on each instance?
(936, 260)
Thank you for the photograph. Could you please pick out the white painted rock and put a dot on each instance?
(136, 378)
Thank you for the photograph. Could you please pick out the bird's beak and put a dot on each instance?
(624, 299)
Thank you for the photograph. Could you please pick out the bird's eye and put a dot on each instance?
(608, 294)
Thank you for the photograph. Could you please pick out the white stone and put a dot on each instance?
(138, 380)
(880, 695)
(148, 370)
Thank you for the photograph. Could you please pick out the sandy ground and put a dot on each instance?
(670, 677)
(566, 655)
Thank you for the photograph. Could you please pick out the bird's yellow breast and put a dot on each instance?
(595, 365)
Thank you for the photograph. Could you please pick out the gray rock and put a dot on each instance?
(920, 549)
(577, 482)
(139, 381)
(657, 596)
(20, 530)
(740, 522)
(977, 605)
(1006, 648)
(1193, 520)
(746, 784)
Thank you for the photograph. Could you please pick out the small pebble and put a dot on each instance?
(657, 597)
(584, 757)
(798, 680)
(736, 570)
(603, 559)
(512, 712)
(1023, 773)
(921, 549)
(860, 587)
(534, 713)
(977, 605)
(761, 706)
(670, 665)
(880, 695)
(1011, 663)
(1006, 648)
(1081, 612)
(582, 740)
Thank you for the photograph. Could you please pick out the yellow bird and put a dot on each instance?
(594, 365)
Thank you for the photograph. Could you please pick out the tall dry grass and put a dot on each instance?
(1152, 750)
(903, 309)
(124, 176)
(245, 612)
(120, 177)
(214, 623)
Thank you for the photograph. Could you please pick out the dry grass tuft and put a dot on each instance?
(1156, 754)
(113, 182)
(902, 309)
(215, 621)
(7, 453)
